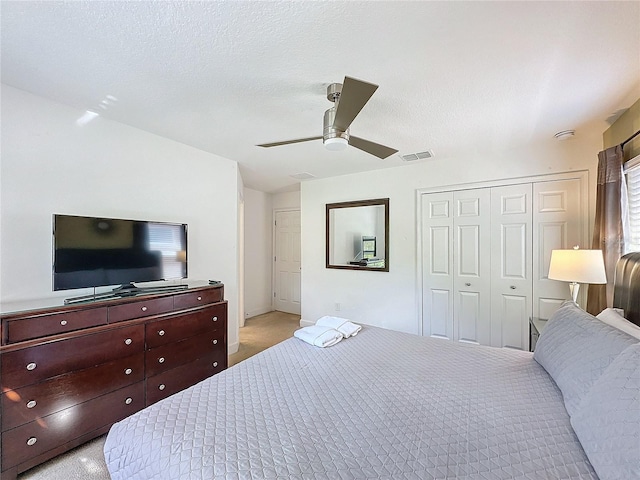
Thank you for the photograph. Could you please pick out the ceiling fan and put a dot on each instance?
(349, 98)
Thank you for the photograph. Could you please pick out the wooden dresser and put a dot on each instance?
(68, 373)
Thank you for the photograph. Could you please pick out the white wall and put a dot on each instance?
(258, 252)
(390, 299)
(286, 200)
(50, 165)
(258, 267)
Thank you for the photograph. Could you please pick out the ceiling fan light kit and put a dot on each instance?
(336, 144)
(349, 98)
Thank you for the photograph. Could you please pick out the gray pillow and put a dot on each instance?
(607, 422)
(575, 348)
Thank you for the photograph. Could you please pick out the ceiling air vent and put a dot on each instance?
(412, 157)
(303, 176)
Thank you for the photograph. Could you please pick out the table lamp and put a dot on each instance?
(577, 266)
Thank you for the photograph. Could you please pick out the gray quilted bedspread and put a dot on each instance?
(381, 405)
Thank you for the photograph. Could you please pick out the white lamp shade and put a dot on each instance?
(581, 266)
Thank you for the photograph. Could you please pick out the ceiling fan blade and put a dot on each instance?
(355, 94)
(287, 142)
(376, 149)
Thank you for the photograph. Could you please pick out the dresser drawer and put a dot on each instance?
(196, 299)
(31, 327)
(176, 379)
(34, 364)
(34, 438)
(143, 308)
(186, 325)
(34, 401)
(172, 355)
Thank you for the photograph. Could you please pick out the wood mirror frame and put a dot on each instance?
(369, 231)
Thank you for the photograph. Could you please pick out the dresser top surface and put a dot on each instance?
(22, 306)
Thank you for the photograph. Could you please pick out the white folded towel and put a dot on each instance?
(344, 326)
(319, 336)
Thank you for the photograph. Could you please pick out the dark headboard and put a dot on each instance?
(627, 286)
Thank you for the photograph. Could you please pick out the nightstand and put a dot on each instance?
(536, 325)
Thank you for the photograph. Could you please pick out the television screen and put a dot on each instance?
(93, 252)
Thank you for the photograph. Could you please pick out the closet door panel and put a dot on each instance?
(437, 269)
(514, 331)
(472, 283)
(511, 265)
(557, 216)
(468, 312)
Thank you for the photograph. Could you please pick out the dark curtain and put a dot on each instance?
(608, 231)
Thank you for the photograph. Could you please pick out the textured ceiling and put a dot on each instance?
(455, 77)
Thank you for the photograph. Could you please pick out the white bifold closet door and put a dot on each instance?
(456, 240)
(511, 265)
(485, 256)
(557, 224)
(437, 271)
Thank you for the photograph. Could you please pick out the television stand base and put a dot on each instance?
(129, 290)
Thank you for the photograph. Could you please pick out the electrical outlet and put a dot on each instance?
(337, 307)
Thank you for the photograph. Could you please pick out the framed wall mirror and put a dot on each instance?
(358, 235)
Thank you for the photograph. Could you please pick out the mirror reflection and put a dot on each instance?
(358, 235)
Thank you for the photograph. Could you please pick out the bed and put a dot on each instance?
(391, 405)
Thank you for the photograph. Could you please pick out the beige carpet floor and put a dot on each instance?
(87, 462)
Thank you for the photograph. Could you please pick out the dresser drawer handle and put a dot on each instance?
(128, 341)
(161, 333)
(144, 309)
(128, 371)
(32, 441)
(128, 401)
(31, 366)
(161, 360)
(215, 319)
(199, 298)
(63, 322)
(215, 364)
(161, 387)
(215, 342)
(31, 403)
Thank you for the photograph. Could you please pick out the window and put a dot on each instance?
(632, 172)
(168, 239)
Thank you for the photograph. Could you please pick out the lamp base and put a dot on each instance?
(574, 288)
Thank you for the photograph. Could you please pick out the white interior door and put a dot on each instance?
(437, 269)
(472, 266)
(286, 293)
(558, 224)
(511, 265)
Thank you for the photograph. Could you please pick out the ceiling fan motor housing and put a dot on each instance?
(329, 130)
(333, 95)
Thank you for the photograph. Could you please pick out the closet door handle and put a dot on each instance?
(467, 284)
(512, 287)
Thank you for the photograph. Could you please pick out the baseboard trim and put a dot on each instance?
(258, 311)
(233, 348)
(306, 323)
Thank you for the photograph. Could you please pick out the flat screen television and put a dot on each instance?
(96, 251)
